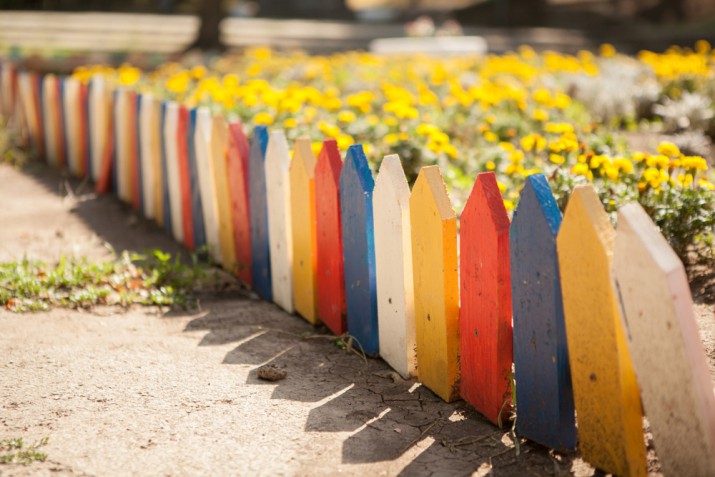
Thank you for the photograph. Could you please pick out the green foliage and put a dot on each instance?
(152, 278)
(14, 451)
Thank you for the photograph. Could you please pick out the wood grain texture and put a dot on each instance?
(197, 206)
(219, 146)
(356, 185)
(434, 267)
(486, 339)
(171, 147)
(238, 178)
(302, 210)
(260, 241)
(278, 200)
(604, 383)
(205, 179)
(541, 363)
(182, 139)
(665, 345)
(393, 267)
(329, 239)
(99, 114)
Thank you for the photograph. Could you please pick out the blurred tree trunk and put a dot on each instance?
(211, 13)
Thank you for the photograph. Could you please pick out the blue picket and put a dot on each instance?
(196, 205)
(260, 250)
(164, 171)
(544, 397)
(356, 185)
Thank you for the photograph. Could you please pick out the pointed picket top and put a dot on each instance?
(302, 188)
(356, 185)
(668, 354)
(329, 241)
(604, 383)
(219, 146)
(393, 267)
(279, 218)
(486, 340)
(260, 244)
(542, 372)
(436, 285)
(207, 188)
(238, 179)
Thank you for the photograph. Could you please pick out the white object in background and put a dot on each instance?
(280, 234)
(393, 267)
(171, 126)
(436, 46)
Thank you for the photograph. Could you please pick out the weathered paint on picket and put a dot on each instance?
(171, 147)
(121, 162)
(186, 204)
(36, 84)
(49, 123)
(302, 193)
(135, 151)
(329, 239)
(604, 383)
(165, 216)
(99, 118)
(541, 367)
(238, 178)
(83, 132)
(485, 315)
(27, 101)
(260, 242)
(205, 179)
(197, 207)
(105, 182)
(280, 237)
(667, 352)
(219, 144)
(393, 267)
(60, 125)
(71, 100)
(356, 185)
(434, 267)
(147, 120)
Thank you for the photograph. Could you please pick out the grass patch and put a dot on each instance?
(151, 278)
(14, 451)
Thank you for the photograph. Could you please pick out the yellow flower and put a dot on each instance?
(668, 149)
(516, 157)
(695, 162)
(128, 75)
(507, 146)
(345, 141)
(557, 158)
(425, 129)
(534, 142)
(391, 139)
(178, 83)
(373, 120)
(623, 165)
(540, 115)
(607, 50)
(502, 186)
(706, 184)
(263, 118)
(580, 169)
(490, 165)
(450, 150)
(346, 116)
(490, 136)
(316, 147)
(658, 160)
(508, 205)
(198, 72)
(611, 172)
(290, 123)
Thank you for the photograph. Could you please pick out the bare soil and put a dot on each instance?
(146, 391)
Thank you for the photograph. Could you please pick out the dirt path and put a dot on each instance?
(145, 393)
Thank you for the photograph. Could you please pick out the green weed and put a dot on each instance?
(14, 451)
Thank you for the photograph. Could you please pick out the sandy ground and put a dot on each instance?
(151, 392)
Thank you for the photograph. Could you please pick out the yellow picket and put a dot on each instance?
(604, 382)
(436, 285)
(219, 144)
(302, 186)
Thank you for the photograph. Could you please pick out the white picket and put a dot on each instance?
(668, 355)
(393, 267)
(121, 145)
(171, 124)
(49, 126)
(70, 101)
(98, 122)
(204, 167)
(147, 120)
(279, 219)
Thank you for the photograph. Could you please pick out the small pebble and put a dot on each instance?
(271, 372)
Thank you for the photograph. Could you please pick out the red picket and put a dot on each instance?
(330, 268)
(485, 290)
(237, 169)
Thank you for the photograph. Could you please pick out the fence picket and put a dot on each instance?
(147, 120)
(182, 139)
(485, 315)
(356, 185)
(665, 345)
(171, 147)
(205, 179)
(604, 383)
(329, 239)
(48, 102)
(393, 267)
(302, 191)
(98, 120)
(219, 144)
(238, 178)
(260, 242)
(543, 377)
(434, 264)
(72, 111)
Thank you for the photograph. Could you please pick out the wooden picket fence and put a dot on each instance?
(554, 317)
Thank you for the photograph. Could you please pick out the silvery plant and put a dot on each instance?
(692, 111)
(622, 89)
